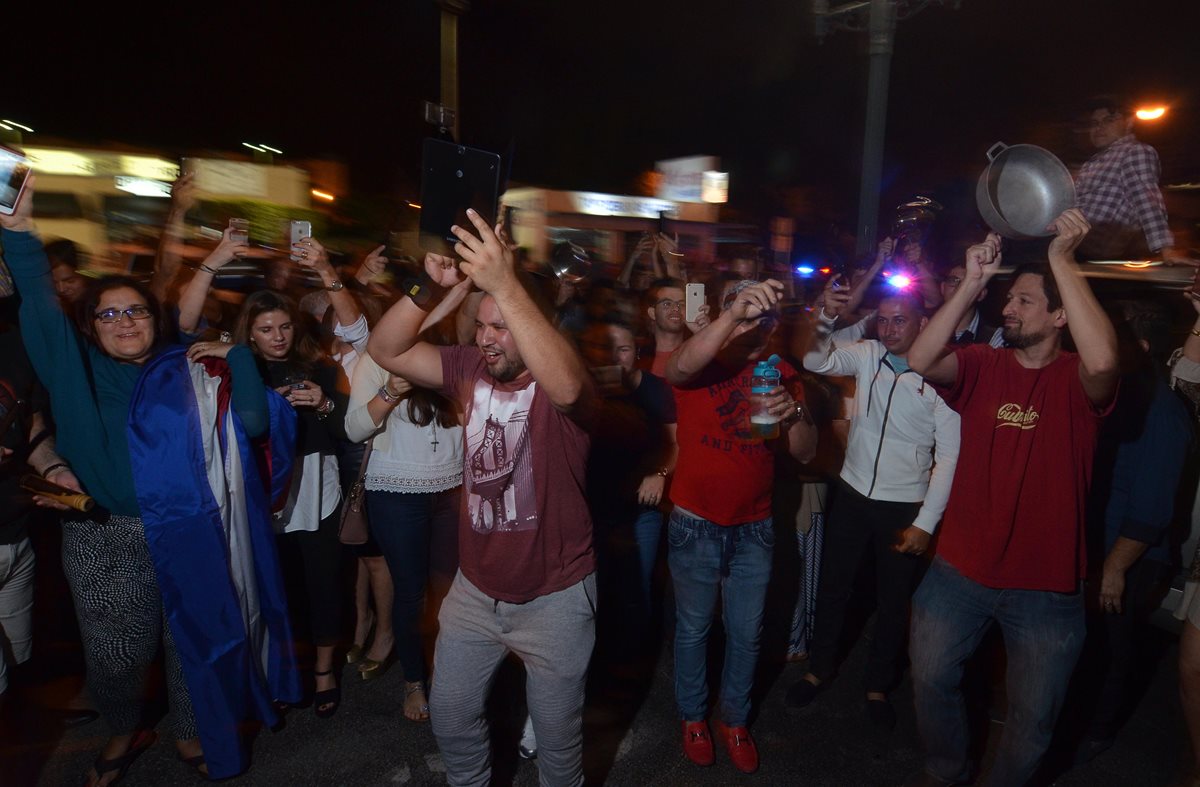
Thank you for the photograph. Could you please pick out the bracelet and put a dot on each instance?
(662, 471)
(47, 470)
(207, 269)
(336, 286)
(387, 395)
(1195, 332)
(798, 413)
(424, 291)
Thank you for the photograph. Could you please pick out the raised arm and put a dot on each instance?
(548, 355)
(700, 349)
(167, 258)
(644, 244)
(191, 300)
(929, 355)
(314, 258)
(820, 356)
(393, 343)
(1095, 338)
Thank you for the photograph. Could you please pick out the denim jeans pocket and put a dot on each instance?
(763, 533)
(679, 535)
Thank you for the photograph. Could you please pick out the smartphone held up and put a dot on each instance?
(14, 175)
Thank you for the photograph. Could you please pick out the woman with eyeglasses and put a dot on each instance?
(137, 421)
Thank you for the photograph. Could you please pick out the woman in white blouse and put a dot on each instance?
(413, 473)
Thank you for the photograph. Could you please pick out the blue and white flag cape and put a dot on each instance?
(205, 494)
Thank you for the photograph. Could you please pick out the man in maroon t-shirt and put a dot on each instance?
(526, 582)
(1011, 547)
(720, 534)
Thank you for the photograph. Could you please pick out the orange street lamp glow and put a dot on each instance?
(324, 196)
(1150, 113)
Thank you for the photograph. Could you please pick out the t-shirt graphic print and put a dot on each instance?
(499, 472)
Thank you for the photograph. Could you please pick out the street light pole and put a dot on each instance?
(881, 37)
(880, 27)
(451, 11)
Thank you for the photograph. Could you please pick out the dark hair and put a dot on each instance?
(1150, 322)
(63, 252)
(1109, 102)
(85, 310)
(1049, 285)
(658, 284)
(910, 299)
(305, 352)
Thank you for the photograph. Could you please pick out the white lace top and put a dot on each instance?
(406, 458)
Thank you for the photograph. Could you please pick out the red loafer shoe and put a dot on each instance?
(697, 742)
(740, 745)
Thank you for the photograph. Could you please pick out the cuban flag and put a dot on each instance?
(206, 493)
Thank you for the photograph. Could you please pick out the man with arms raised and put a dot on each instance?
(1011, 549)
(526, 582)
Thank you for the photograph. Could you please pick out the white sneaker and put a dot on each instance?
(527, 748)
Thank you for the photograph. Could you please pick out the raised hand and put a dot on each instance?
(373, 266)
(184, 193)
(886, 247)
(21, 219)
(225, 251)
(488, 262)
(756, 300)
(312, 255)
(1069, 231)
(983, 259)
(442, 269)
(835, 297)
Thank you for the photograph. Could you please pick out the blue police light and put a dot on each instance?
(899, 281)
(805, 270)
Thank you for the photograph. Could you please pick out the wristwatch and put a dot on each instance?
(337, 286)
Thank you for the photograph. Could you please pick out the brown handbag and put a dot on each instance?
(353, 530)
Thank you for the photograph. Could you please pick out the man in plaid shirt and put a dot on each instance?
(1118, 189)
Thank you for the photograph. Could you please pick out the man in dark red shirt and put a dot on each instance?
(720, 534)
(1011, 548)
(526, 581)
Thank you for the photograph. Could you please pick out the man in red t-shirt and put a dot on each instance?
(526, 582)
(1011, 548)
(720, 534)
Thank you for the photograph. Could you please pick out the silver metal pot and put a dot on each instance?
(1023, 190)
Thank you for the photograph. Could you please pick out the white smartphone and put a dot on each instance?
(693, 299)
(298, 231)
(14, 174)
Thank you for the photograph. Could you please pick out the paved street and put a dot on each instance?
(630, 739)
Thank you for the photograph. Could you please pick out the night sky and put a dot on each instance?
(589, 95)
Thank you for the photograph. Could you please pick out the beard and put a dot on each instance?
(1021, 341)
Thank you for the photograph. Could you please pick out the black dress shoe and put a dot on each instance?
(882, 715)
(800, 696)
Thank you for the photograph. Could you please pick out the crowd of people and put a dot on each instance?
(559, 428)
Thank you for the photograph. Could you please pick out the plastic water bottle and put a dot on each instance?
(763, 424)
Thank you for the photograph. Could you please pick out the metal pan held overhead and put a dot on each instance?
(1023, 190)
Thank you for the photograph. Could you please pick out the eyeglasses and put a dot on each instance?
(952, 281)
(669, 305)
(115, 315)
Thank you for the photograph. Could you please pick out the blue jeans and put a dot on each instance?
(1043, 636)
(647, 530)
(736, 561)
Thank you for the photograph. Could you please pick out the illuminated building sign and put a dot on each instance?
(683, 178)
(53, 161)
(614, 205)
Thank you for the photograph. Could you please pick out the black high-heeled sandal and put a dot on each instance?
(141, 741)
(325, 703)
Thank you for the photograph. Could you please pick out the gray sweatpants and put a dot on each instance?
(553, 635)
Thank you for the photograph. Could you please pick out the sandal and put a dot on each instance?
(140, 742)
(423, 709)
(325, 702)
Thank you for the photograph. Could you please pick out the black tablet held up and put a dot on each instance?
(454, 178)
